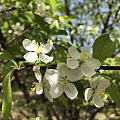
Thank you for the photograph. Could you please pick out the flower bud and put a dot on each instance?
(36, 68)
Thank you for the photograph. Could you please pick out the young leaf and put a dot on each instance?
(114, 93)
(103, 47)
(52, 4)
(8, 67)
(7, 97)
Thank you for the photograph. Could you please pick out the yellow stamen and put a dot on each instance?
(100, 93)
(63, 80)
(84, 56)
(36, 86)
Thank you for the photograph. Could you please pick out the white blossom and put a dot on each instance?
(41, 86)
(96, 91)
(83, 59)
(17, 28)
(37, 51)
(41, 8)
(61, 80)
(37, 73)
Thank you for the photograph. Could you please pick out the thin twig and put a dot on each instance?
(10, 9)
(16, 37)
(109, 68)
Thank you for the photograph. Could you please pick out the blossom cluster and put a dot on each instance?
(61, 80)
(16, 29)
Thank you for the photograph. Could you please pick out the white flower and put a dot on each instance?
(41, 8)
(38, 86)
(96, 91)
(41, 86)
(61, 80)
(37, 51)
(37, 73)
(88, 65)
(17, 28)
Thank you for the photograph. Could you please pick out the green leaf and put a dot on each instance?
(5, 55)
(8, 67)
(68, 18)
(103, 47)
(52, 4)
(7, 97)
(114, 93)
(43, 25)
(14, 51)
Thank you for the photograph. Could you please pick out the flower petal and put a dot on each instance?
(85, 50)
(75, 74)
(97, 101)
(56, 91)
(94, 82)
(28, 45)
(103, 84)
(47, 94)
(47, 48)
(93, 63)
(52, 76)
(70, 90)
(72, 63)
(31, 57)
(88, 93)
(38, 76)
(62, 69)
(89, 67)
(87, 70)
(40, 91)
(46, 83)
(44, 58)
(73, 52)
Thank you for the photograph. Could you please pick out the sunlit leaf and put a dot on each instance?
(103, 47)
(7, 97)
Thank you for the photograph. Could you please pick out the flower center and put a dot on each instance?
(38, 48)
(84, 56)
(100, 93)
(63, 80)
(36, 86)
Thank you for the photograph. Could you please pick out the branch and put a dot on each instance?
(108, 17)
(109, 68)
(16, 37)
(2, 40)
(68, 14)
(10, 9)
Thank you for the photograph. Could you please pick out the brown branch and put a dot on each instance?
(18, 36)
(109, 68)
(68, 14)
(105, 24)
(10, 9)
(2, 40)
